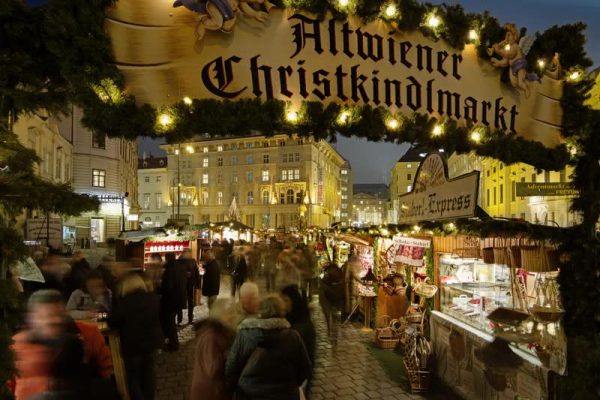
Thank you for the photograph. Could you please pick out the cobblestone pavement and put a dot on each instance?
(346, 371)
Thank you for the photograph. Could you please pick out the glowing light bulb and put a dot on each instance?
(189, 149)
(507, 47)
(165, 120)
(344, 117)
(417, 228)
(393, 123)
(476, 136)
(187, 101)
(391, 11)
(574, 75)
(473, 35)
(433, 21)
(343, 3)
(541, 63)
(437, 130)
(451, 226)
(292, 116)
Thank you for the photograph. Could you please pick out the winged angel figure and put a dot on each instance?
(221, 14)
(512, 51)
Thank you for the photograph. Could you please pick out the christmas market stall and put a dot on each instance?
(495, 325)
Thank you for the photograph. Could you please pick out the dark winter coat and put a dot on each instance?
(191, 271)
(136, 317)
(331, 289)
(240, 271)
(173, 287)
(211, 281)
(267, 361)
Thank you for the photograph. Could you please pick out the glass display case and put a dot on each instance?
(471, 289)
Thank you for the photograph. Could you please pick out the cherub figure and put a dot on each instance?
(512, 51)
(221, 14)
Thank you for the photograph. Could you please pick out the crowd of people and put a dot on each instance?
(249, 346)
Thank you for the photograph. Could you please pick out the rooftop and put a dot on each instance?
(413, 154)
(379, 190)
(152, 162)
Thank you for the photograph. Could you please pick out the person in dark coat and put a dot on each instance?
(239, 272)
(298, 315)
(135, 315)
(173, 291)
(268, 360)
(331, 298)
(211, 281)
(79, 270)
(193, 282)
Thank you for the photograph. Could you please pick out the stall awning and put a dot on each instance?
(235, 225)
(136, 236)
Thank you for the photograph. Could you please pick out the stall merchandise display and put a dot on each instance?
(161, 248)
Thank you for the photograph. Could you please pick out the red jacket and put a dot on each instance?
(32, 360)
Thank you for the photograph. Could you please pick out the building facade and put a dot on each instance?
(270, 182)
(40, 133)
(402, 177)
(346, 193)
(107, 168)
(369, 204)
(498, 190)
(153, 192)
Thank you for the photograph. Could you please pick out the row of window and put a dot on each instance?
(247, 145)
(289, 197)
(291, 157)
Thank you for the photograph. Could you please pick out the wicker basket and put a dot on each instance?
(387, 343)
(386, 337)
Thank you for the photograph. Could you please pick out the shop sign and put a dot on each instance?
(435, 197)
(527, 189)
(166, 53)
(40, 228)
(407, 241)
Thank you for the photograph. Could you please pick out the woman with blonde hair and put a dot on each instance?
(268, 360)
(135, 315)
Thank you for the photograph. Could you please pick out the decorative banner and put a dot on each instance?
(435, 197)
(526, 189)
(167, 53)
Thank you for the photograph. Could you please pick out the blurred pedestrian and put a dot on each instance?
(267, 360)
(211, 281)
(298, 315)
(193, 282)
(351, 271)
(239, 271)
(213, 340)
(173, 299)
(48, 326)
(79, 269)
(331, 298)
(106, 269)
(154, 269)
(247, 306)
(270, 262)
(71, 379)
(93, 298)
(135, 315)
